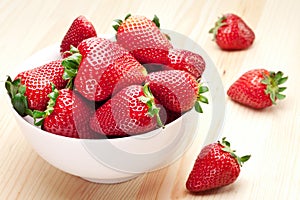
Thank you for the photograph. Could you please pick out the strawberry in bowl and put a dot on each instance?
(106, 111)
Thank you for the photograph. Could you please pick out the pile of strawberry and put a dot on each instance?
(102, 88)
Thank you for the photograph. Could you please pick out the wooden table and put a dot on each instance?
(271, 135)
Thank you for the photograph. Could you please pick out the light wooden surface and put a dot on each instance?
(271, 135)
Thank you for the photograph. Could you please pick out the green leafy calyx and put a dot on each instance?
(71, 65)
(155, 20)
(272, 81)
(50, 107)
(119, 22)
(16, 92)
(218, 24)
(148, 99)
(226, 148)
(200, 98)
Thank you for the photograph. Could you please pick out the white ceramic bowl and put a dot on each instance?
(121, 159)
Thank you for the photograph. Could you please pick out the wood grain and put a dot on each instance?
(271, 135)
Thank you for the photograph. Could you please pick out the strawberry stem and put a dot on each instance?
(273, 80)
(201, 98)
(149, 100)
(71, 65)
(226, 148)
(16, 92)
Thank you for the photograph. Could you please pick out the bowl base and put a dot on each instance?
(111, 181)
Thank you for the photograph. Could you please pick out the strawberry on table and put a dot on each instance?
(67, 114)
(258, 88)
(143, 39)
(216, 166)
(232, 33)
(131, 111)
(176, 90)
(79, 30)
(30, 89)
(181, 59)
(101, 67)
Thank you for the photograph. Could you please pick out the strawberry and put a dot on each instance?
(258, 88)
(176, 90)
(67, 114)
(232, 33)
(185, 60)
(217, 165)
(131, 111)
(101, 67)
(172, 116)
(143, 38)
(30, 89)
(23, 75)
(79, 30)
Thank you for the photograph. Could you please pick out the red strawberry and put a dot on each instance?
(172, 116)
(232, 33)
(66, 115)
(23, 75)
(103, 67)
(176, 90)
(79, 30)
(217, 165)
(258, 88)
(143, 38)
(185, 60)
(131, 111)
(30, 89)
